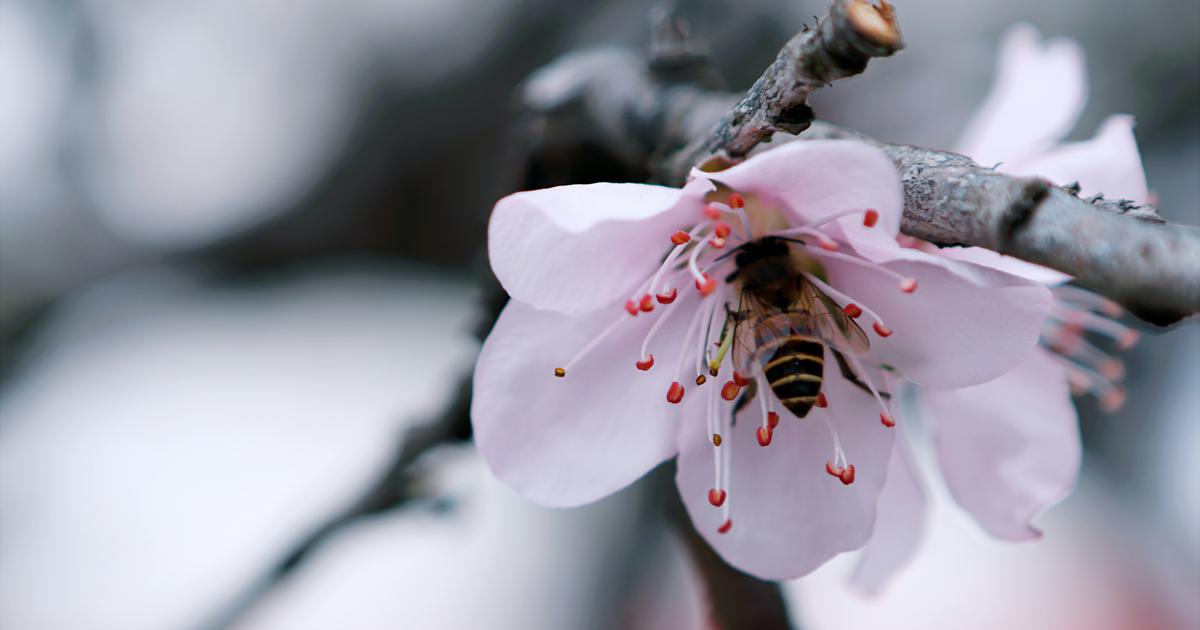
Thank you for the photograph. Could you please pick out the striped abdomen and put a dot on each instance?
(795, 371)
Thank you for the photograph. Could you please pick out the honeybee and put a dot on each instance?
(784, 322)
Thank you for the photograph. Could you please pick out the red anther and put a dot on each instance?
(847, 475)
(675, 393)
(822, 401)
(722, 229)
(680, 237)
(908, 285)
(736, 201)
(887, 420)
(647, 303)
(828, 245)
(741, 381)
(871, 218)
(833, 469)
(1128, 340)
(667, 298)
(707, 286)
(764, 435)
(717, 439)
(712, 212)
(881, 330)
(646, 364)
(716, 242)
(631, 307)
(852, 310)
(730, 390)
(724, 528)
(772, 420)
(716, 497)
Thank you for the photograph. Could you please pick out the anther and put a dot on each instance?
(852, 310)
(730, 390)
(680, 237)
(675, 393)
(559, 372)
(716, 242)
(705, 288)
(714, 368)
(870, 218)
(1112, 399)
(908, 285)
(736, 201)
(631, 307)
(833, 469)
(724, 528)
(847, 475)
(667, 298)
(822, 401)
(717, 439)
(881, 330)
(646, 363)
(764, 435)
(887, 420)
(700, 379)
(1127, 340)
(741, 381)
(712, 212)
(722, 229)
(716, 497)
(772, 420)
(647, 303)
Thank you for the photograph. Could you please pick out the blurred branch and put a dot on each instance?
(613, 102)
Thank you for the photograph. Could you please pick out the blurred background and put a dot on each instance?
(240, 244)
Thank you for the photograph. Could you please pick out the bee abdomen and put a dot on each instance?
(795, 372)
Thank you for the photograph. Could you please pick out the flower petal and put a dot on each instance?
(576, 248)
(965, 324)
(1009, 448)
(789, 516)
(568, 441)
(1108, 163)
(1007, 264)
(814, 179)
(1039, 91)
(899, 523)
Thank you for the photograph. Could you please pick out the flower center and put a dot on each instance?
(719, 338)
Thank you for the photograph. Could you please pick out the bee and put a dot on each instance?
(784, 323)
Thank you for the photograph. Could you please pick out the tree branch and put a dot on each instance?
(614, 102)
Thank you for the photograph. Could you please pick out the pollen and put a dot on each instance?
(908, 285)
(647, 303)
(730, 390)
(645, 364)
(887, 420)
(667, 298)
(736, 201)
(725, 527)
(716, 497)
(870, 218)
(717, 439)
(881, 330)
(675, 393)
(764, 435)
(852, 310)
(631, 307)
(559, 372)
(680, 237)
(701, 379)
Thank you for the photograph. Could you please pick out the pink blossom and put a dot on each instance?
(620, 294)
(1026, 416)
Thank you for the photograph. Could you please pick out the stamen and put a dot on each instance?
(562, 371)
(906, 284)
(1089, 300)
(716, 497)
(852, 310)
(725, 527)
(885, 414)
(838, 467)
(706, 285)
(631, 307)
(667, 298)
(881, 330)
(823, 240)
(680, 237)
(646, 363)
(1124, 336)
(701, 379)
(721, 229)
(712, 212)
(772, 420)
(716, 439)
(730, 390)
(741, 381)
(658, 324)
(870, 218)
(764, 435)
(716, 242)
(887, 420)
(736, 201)
(850, 302)
(822, 401)
(646, 304)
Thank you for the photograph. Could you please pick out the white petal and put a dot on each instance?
(899, 523)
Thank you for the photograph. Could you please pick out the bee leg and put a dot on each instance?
(748, 395)
(849, 374)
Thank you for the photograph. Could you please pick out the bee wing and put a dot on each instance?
(760, 334)
(830, 322)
